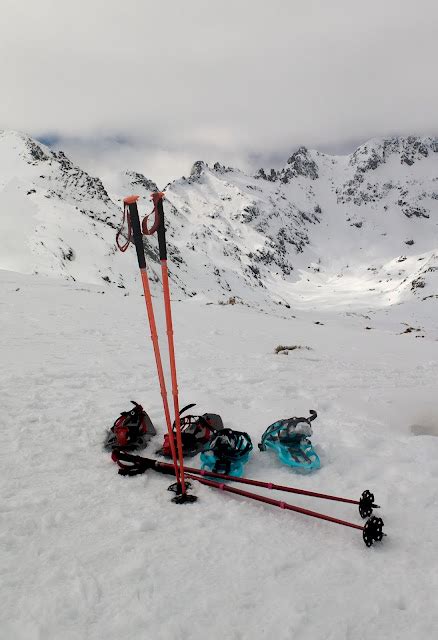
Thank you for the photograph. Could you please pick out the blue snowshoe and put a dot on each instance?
(289, 439)
(227, 453)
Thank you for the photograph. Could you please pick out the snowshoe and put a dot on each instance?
(196, 433)
(132, 430)
(289, 438)
(227, 452)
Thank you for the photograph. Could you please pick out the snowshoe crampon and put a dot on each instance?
(289, 439)
(132, 430)
(196, 432)
(227, 453)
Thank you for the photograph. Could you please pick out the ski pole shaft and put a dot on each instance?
(265, 485)
(372, 531)
(131, 202)
(273, 486)
(271, 501)
(142, 464)
(161, 233)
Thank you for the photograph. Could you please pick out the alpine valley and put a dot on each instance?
(347, 232)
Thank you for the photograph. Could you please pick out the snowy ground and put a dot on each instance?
(86, 554)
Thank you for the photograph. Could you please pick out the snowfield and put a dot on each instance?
(89, 555)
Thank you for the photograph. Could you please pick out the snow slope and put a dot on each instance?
(338, 223)
(86, 554)
(341, 226)
(55, 218)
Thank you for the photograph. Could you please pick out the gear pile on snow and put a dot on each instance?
(227, 452)
(224, 452)
(196, 432)
(132, 430)
(134, 233)
(289, 438)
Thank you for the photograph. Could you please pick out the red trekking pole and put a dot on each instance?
(372, 530)
(134, 229)
(157, 198)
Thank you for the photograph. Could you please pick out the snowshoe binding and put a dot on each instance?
(132, 430)
(289, 438)
(227, 452)
(196, 432)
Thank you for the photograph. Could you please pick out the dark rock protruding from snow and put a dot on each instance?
(141, 180)
(197, 170)
(300, 164)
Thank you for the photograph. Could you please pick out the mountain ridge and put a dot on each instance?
(265, 239)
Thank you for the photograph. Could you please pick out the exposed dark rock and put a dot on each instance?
(141, 180)
(197, 170)
(418, 283)
(300, 164)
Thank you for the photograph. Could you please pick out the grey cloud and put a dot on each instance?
(235, 79)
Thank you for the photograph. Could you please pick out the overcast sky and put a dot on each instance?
(153, 86)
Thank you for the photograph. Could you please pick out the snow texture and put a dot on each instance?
(89, 554)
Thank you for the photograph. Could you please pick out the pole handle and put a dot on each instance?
(157, 198)
(131, 203)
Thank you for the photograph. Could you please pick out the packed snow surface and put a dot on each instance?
(87, 554)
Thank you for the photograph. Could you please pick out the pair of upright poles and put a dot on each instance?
(134, 228)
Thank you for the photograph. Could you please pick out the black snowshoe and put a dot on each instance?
(132, 430)
(227, 452)
(196, 432)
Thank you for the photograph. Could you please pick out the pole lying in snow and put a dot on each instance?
(372, 530)
(275, 503)
(366, 502)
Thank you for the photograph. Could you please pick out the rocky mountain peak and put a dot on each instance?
(138, 179)
(198, 169)
(299, 164)
(377, 151)
(24, 146)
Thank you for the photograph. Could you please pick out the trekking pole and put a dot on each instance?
(372, 530)
(157, 199)
(365, 504)
(131, 213)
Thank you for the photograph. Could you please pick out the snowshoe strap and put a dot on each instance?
(127, 218)
(188, 406)
(276, 427)
(132, 465)
(230, 445)
(144, 225)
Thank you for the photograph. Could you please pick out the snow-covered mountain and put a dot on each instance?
(55, 218)
(355, 230)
